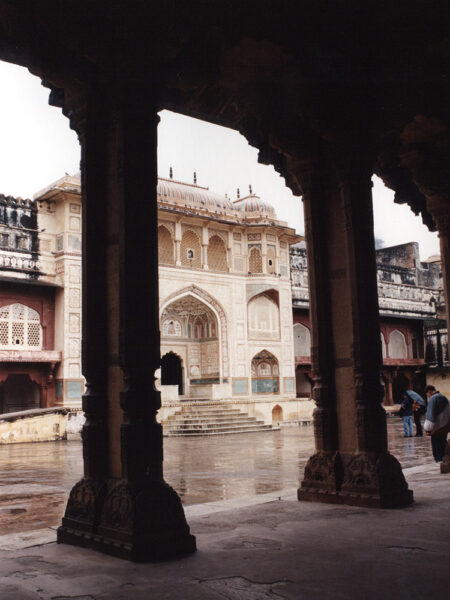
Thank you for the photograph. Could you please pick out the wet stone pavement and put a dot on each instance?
(35, 479)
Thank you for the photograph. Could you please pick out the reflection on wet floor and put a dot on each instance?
(36, 478)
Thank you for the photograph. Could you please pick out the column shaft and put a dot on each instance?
(322, 470)
(84, 504)
(142, 517)
(352, 464)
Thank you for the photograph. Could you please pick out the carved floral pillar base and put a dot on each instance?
(361, 479)
(143, 522)
(131, 521)
(322, 477)
(82, 516)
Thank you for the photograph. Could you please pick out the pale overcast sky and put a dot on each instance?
(37, 147)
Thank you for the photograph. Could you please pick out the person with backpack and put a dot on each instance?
(437, 421)
(419, 409)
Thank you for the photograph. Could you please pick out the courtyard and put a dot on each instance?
(36, 478)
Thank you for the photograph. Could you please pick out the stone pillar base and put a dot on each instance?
(141, 522)
(362, 479)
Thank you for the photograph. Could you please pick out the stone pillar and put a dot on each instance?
(142, 517)
(352, 465)
(322, 472)
(389, 398)
(439, 208)
(122, 506)
(82, 514)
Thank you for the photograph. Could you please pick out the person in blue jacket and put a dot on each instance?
(437, 421)
(407, 414)
(419, 409)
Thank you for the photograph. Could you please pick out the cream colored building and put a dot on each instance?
(225, 301)
(40, 298)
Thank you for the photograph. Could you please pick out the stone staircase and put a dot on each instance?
(211, 419)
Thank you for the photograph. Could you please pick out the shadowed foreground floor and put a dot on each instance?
(258, 548)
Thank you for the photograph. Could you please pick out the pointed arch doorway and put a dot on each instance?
(172, 371)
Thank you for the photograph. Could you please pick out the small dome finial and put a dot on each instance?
(171, 173)
(238, 193)
(250, 189)
(195, 177)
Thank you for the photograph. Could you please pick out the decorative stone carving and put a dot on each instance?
(379, 478)
(143, 521)
(322, 472)
(83, 507)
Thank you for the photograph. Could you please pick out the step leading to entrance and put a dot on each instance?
(212, 420)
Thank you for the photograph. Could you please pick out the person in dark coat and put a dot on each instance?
(437, 421)
(407, 414)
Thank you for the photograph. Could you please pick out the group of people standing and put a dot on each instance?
(437, 418)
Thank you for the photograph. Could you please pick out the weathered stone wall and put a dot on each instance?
(33, 426)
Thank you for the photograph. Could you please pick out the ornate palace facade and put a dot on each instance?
(40, 298)
(412, 327)
(225, 300)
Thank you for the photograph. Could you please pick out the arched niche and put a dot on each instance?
(255, 260)
(166, 252)
(189, 328)
(217, 254)
(302, 340)
(397, 345)
(277, 413)
(191, 250)
(263, 318)
(265, 373)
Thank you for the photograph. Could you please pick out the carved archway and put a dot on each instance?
(217, 309)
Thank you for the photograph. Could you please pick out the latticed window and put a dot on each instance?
(191, 250)
(165, 246)
(20, 327)
(255, 261)
(217, 254)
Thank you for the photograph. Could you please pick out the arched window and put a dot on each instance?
(20, 327)
(397, 345)
(217, 254)
(255, 261)
(165, 246)
(271, 259)
(302, 340)
(383, 344)
(191, 250)
(263, 318)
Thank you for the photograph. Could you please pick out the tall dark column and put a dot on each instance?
(322, 472)
(439, 207)
(351, 464)
(142, 517)
(83, 508)
(369, 468)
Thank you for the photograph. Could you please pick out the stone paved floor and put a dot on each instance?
(260, 548)
(36, 478)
